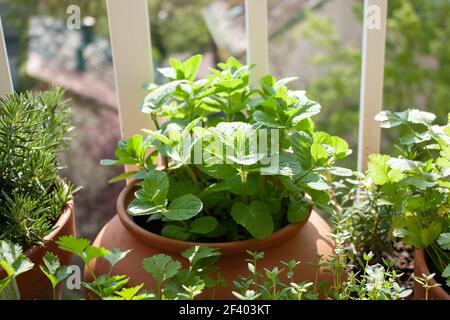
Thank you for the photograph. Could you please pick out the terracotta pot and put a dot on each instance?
(421, 267)
(301, 241)
(34, 284)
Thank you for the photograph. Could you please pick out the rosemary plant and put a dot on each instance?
(32, 195)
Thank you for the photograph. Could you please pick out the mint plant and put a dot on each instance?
(415, 183)
(216, 184)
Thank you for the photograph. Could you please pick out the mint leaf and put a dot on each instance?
(255, 218)
(183, 208)
(265, 120)
(297, 211)
(318, 153)
(204, 225)
(175, 232)
(158, 97)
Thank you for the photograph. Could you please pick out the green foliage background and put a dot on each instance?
(417, 69)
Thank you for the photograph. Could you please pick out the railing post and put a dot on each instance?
(129, 29)
(6, 85)
(257, 38)
(373, 50)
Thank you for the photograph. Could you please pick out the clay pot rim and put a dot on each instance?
(420, 265)
(63, 219)
(177, 246)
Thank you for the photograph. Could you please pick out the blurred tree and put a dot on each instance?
(177, 26)
(417, 70)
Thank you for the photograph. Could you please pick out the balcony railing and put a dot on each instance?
(133, 65)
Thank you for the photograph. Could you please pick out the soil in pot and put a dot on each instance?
(34, 284)
(302, 241)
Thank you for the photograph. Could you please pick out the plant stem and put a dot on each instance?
(191, 174)
(155, 121)
(244, 174)
(229, 109)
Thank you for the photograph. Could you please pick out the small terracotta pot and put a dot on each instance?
(34, 284)
(301, 241)
(421, 267)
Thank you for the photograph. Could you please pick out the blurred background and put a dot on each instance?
(318, 41)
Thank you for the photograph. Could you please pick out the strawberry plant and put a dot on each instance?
(239, 161)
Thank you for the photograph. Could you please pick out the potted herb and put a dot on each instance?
(35, 203)
(233, 166)
(416, 185)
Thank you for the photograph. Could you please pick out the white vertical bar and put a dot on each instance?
(257, 38)
(129, 28)
(373, 50)
(6, 85)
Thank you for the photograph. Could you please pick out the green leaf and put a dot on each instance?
(318, 153)
(297, 211)
(155, 188)
(311, 108)
(266, 120)
(402, 164)
(419, 182)
(158, 97)
(430, 234)
(51, 262)
(446, 273)
(340, 146)
(13, 261)
(139, 207)
(204, 225)
(391, 119)
(187, 69)
(72, 244)
(219, 171)
(184, 208)
(82, 248)
(301, 145)
(158, 136)
(380, 172)
(255, 218)
(201, 256)
(175, 232)
(115, 255)
(53, 269)
(181, 188)
(161, 267)
(339, 171)
(421, 117)
(444, 241)
(122, 176)
(92, 253)
(129, 293)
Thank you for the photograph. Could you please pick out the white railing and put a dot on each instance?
(132, 57)
(5, 74)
